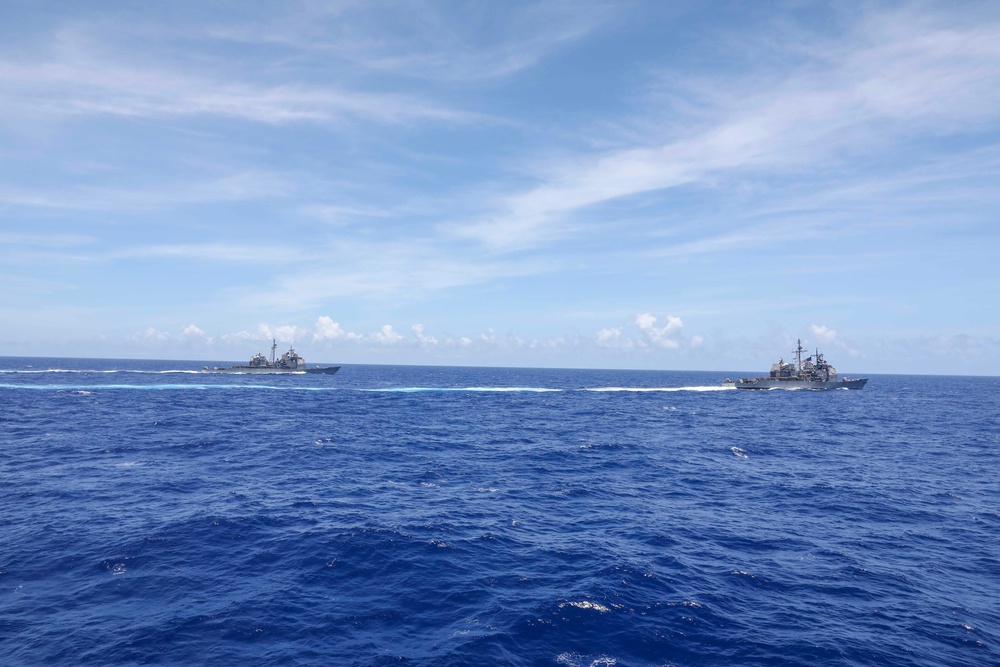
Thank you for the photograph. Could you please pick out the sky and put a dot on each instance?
(586, 184)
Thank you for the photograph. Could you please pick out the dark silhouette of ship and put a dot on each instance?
(812, 373)
(288, 363)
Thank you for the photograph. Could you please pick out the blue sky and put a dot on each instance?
(569, 184)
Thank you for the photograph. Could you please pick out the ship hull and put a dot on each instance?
(252, 370)
(791, 383)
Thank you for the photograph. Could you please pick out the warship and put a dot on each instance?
(811, 373)
(287, 363)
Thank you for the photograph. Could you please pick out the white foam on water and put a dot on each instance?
(90, 388)
(95, 371)
(413, 390)
(586, 604)
(651, 389)
(577, 660)
(247, 372)
(51, 370)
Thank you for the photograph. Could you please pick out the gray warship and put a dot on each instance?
(812, 373)
(288, 363)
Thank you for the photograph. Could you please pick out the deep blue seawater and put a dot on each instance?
(461, 516)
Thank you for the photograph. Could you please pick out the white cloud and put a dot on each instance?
(339, 216)
(646, 334)
(386, 336)
(239, 337)
(327, 329)
(150, 334)
(896, 76)
(824, 333)
(192, 330)
(83, 86)
(661, 336)
(58, 240)
(285, 334)
(222, 252)
(428, 40)
(422, 337)
(240, 186)
(387, 268)
(551, 343)
(609, 336)
(828, 336)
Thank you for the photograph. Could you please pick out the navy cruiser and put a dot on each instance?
(287, 363)
(812, 373)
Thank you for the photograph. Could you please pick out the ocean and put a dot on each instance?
(152, 514)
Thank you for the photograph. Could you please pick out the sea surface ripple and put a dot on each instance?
(151, 514)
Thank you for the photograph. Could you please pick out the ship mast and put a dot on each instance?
(798, 354)
(274, 346)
